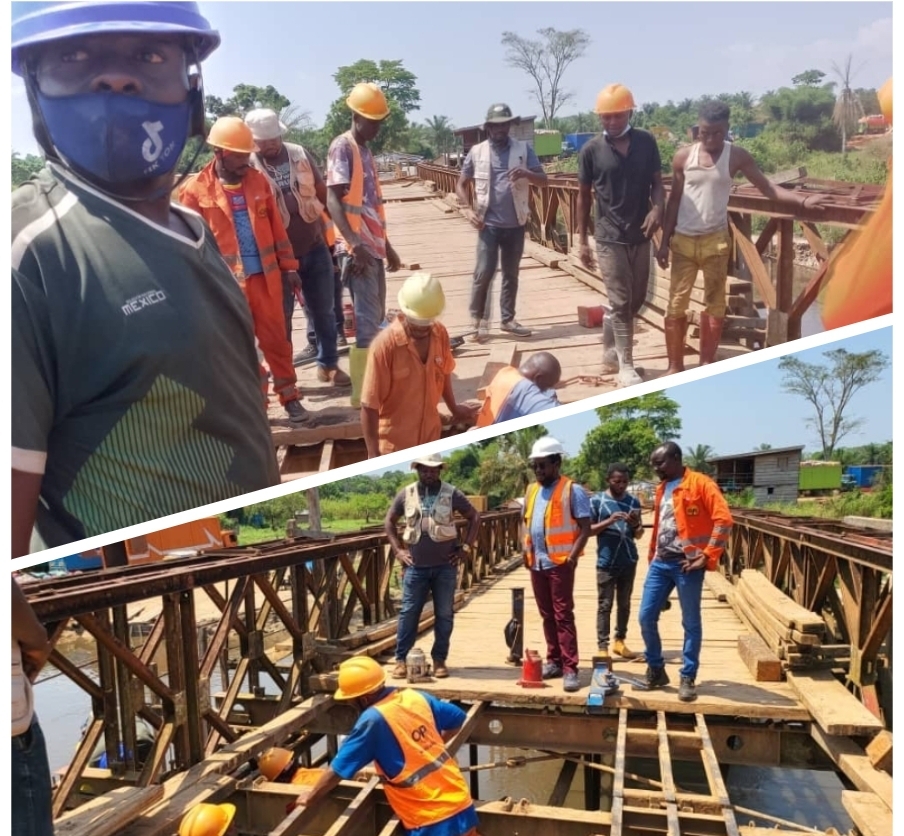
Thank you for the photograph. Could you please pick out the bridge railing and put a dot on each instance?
(554, 224)
(308, 601)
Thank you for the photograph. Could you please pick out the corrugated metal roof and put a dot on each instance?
(753, 453)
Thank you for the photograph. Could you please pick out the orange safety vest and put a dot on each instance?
(702, 517)
(859, 275)
(353, 202)
(560, 528)
(496, 393)
(430, 787)
(206, 196)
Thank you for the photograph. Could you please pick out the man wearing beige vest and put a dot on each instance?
(695, 227)
(502, 169)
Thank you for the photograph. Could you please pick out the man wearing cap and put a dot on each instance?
(515, 392)
(404, 733)
(556, 529)
(240, 208)
(134, 386)
(622, 170)
(502, 169)
(301, 198)
(409, 371)
(429, 552)
(355, 203)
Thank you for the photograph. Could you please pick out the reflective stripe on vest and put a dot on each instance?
(353, 202)
(520, 190)
(560, 529)
(430, 787)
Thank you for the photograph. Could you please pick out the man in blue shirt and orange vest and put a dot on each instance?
(556, 528)
(522, 391)
(404, 733)
(355, 203)
(691, 524)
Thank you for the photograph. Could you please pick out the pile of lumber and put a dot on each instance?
(792, 633)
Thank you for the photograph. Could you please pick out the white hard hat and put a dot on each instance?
(264, 124)
(547, 446)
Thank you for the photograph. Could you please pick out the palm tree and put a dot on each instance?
(697, 458)
(848, 108)
(441, 133)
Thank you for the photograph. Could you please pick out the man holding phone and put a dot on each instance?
(691, 524)
(615, 520)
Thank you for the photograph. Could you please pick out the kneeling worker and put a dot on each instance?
(209, 820)
(522, 391)
(403, 732)
(278, 765)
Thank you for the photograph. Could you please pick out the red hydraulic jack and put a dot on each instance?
(532, 670)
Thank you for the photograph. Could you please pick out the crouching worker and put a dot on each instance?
(278, 765)
(513, 392)
(403, 731)
(209, 820)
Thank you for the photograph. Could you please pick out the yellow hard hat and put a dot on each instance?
(358, 676)
(614, 98)
(885, 100)
(231, 134)
(421, 298)
(207, 820)
(367, 100)
(272, 763)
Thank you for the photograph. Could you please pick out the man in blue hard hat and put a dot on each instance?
(135, 384)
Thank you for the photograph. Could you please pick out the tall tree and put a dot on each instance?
(246, 97)
(545, 60)
(829, 389)
(848, 108)
(808, 78)
(441, 132)
(697, 458)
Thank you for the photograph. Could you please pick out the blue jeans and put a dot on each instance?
(441, 582)
(491, 243)
(30, 784)
(337, 310)
(368, 292)
(662, 577)
(317, 287)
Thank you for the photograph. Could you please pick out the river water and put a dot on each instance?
(807, 797)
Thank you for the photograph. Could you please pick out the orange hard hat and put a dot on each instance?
(614, 98)
(272, 763)
(885, 101)
(231, 134)
(367, 100)
(207, 820)
(358, 676)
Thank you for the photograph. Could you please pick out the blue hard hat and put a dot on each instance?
(36, 23)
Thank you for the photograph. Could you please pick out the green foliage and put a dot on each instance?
(808, 78)
(696, 458)
(864, 454)
(246, 97)
(24, 168)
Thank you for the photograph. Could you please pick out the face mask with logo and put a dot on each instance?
(116, 138)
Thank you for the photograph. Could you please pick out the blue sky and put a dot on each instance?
(661, 50)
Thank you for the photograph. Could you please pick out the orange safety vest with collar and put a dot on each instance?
(702, 517)
(560, 528)
(496, 394)
(353, 202)
(206, 196)
(430, 787)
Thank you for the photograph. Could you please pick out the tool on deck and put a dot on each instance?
(602, 683)
(514, 630)
(417, 668)
(532, 671)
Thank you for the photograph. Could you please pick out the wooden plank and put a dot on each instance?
(762, 663)
(351, 818)
(835, 709)
(326, 457)
(105, 815)
(754, 263)
(618, 787)
(563, 785)
(879, 751)
(714, 777)
(870, 816)
(780, 606)
(668, 781)
(719, 585)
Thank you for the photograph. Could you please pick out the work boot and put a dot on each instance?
(621, 649)
(481, 329)
(675, 332)
(357, 363)
(296, 412)
(516, 328)
(571, 682)
(400, 671)
(440, 671)
(551, 671)
(334, 376)
(710, 334)
(624, 350)
(341, 340)
(308, 353)
(610, 357)
(687, 690)
(655, 678)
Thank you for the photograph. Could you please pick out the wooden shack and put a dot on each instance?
(773, 475)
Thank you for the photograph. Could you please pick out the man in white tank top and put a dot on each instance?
(695, 228)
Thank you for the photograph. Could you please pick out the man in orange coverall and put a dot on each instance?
(240, 208)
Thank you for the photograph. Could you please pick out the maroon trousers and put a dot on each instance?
(554, 593)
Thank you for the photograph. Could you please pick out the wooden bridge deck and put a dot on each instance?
(725, 686)
(426, 232)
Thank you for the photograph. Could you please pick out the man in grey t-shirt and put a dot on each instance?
(428, 555)
(501, 168)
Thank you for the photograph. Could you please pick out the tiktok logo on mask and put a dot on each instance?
(153, 145)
